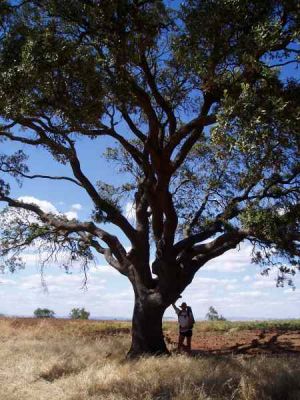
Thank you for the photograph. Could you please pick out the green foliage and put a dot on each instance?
(63, 74)
(226, 50)
(213, 315)
(44, 313)
(192, 103)
(79, 313)
(21, 228)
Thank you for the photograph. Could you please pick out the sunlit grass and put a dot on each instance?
(85, 360)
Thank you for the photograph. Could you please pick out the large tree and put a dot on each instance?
(205, 126)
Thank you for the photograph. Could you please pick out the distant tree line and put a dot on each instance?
(76, 313)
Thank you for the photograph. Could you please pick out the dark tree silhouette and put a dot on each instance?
(213, 315)
(201, 123)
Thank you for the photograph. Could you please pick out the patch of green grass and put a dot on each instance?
(225, 326)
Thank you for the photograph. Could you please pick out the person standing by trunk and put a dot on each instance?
(186, 322)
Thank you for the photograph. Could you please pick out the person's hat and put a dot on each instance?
(183, 304)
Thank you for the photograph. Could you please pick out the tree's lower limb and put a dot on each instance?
(147, 333)
(180, 342)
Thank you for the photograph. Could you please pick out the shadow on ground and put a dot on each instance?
(265, 342)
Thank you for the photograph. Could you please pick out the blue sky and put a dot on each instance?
(230, 283)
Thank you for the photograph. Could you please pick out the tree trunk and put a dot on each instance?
(147, 333)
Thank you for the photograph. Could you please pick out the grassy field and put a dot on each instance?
(78, 360)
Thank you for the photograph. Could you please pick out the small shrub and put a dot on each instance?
(79, 313)
(44, 313)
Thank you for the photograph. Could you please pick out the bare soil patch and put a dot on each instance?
(252, 342)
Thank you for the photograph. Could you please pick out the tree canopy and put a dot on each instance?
(205, 126)
(43, 313)
(213, 315)
(79, 313)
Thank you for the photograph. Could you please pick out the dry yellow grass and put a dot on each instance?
(43, 360)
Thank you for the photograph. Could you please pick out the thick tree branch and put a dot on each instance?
(196, 257)
(141, 210)
(187, 128)
(171, 220)
(137, 132)
(145, 103)
(113, 214)
(161, 101)
(196, 217)
(207, 233)
(20, 139)
(110, 131)
(89, 240)
(63, 226)
(7, 169)
(195, 134)
(215, 248)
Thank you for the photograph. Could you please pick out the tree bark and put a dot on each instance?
(147, 333)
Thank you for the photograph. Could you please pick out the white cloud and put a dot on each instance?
(266, 283)
(110, 294)
(205, 290)
(43, 259)
(232, 261)
(107, 298)
(213, 281)
(7, 282)
(281, 211)
(71, 215)
(130, 211)
(104, 269)
(48, 207)
(76, 206)
(62, 284)
(230, 287)
(249, 293)
(45, 205)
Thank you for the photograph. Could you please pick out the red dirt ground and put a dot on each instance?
(252, 342)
